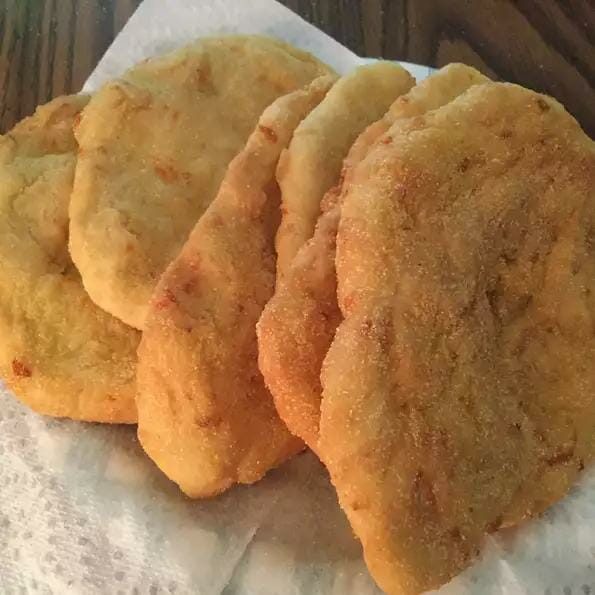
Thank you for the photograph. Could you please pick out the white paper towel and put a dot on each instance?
(161, 25)
(83, 511)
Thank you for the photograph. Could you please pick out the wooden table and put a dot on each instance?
(49, 47)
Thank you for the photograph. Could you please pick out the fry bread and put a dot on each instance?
(299, 322)
(60, 354)
(312, 163)
(205, 416)
(154, 148)
(459, 391)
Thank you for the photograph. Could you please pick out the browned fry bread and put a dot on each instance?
(298, 324)
(205, 415)
(459, 391)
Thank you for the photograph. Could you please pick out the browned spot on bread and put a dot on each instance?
(348, 302)
(167, 299)
(367, 327)
(204, 74)
(166, 172)
(561, 457)
(464, 164)
(208, 421)
(542, 104)
(21, 369)
(189, 286)
(455, 534)
(422, 492)
(358, 505)
(494, 525)
(59, 114)
(268, 133)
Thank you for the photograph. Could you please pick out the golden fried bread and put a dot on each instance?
(299, 323)
(60, 354)
(312, 163)
(154, 148)
(205, 415)
(459, 391)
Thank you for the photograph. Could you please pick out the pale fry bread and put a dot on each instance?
(459, 392)
(155, 146)
(312, 163)
(299, 323)
(205, 416)
(59, 353)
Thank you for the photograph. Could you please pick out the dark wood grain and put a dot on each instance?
(49, 47)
